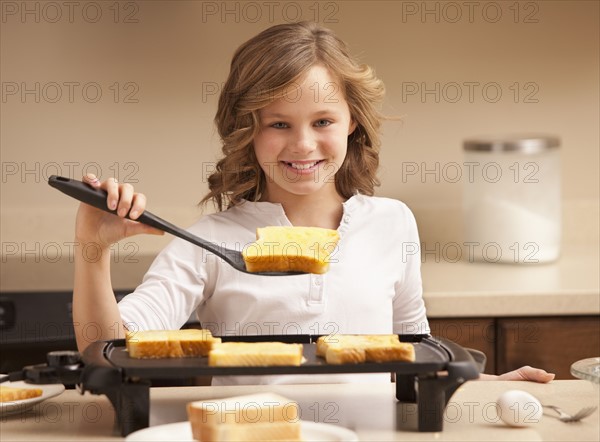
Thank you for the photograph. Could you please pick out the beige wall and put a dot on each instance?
(157, 65)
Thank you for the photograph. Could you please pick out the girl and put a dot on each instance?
(299, 125)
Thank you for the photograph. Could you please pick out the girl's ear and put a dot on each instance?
(352, 126)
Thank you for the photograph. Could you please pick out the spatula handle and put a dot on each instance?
(97, 198)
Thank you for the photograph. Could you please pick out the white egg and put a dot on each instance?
(518, 408)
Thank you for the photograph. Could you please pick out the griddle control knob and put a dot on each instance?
(63, 358)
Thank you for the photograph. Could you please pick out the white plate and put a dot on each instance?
(182, 431)
(48, 391)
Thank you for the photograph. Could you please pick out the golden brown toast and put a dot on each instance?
(257, 417)
(170, 343)
(354, 349)
(252, 432)
(283, 248)
(11, 394)
(255, 354)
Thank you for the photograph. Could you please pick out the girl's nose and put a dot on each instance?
(303, 142)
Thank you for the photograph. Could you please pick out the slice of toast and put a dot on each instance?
(403, 351)
(170, 343)
(355, 349)
(285, 248)
(11, 394)
(254, 432)
(256, 417)
(354, 341)
(250, 408)
(255, 354)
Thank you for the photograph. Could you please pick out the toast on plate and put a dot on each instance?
(11, 394)
(257, 417)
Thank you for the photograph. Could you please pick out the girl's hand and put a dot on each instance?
(525, 373)
(103, 228)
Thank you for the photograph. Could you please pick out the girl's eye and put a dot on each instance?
(279, 125)
(322, 123)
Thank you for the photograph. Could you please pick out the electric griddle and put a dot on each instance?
(441, 366)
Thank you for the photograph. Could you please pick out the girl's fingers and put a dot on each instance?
(91, 179)
(114, 198)
(137, 208)
(121, 197)
(111, 186)
(138, 205)
(125, 199)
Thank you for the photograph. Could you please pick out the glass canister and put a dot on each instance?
(512, 199)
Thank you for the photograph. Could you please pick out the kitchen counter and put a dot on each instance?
(368, 409)
(569, 286)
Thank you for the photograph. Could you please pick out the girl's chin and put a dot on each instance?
(300, 189)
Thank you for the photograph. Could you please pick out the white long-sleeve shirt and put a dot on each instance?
(373, 285)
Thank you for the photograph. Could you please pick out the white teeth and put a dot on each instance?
(302, 166)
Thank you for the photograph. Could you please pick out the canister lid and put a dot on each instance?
(528, 144)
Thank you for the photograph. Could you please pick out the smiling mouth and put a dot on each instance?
(302, 165)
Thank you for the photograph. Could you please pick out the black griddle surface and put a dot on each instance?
(430, 357)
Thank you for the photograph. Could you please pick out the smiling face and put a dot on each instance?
(303, 137)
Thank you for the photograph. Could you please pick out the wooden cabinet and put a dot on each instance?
(551, 343)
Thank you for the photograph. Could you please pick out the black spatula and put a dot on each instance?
(97, 198)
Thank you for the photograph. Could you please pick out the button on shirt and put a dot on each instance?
(373, 285)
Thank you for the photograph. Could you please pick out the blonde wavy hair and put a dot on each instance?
(262, 69)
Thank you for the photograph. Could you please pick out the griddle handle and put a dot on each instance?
(130, 400)
(433, 391)
(461, 369)
(463, 366)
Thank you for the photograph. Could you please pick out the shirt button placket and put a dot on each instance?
(316, 289)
